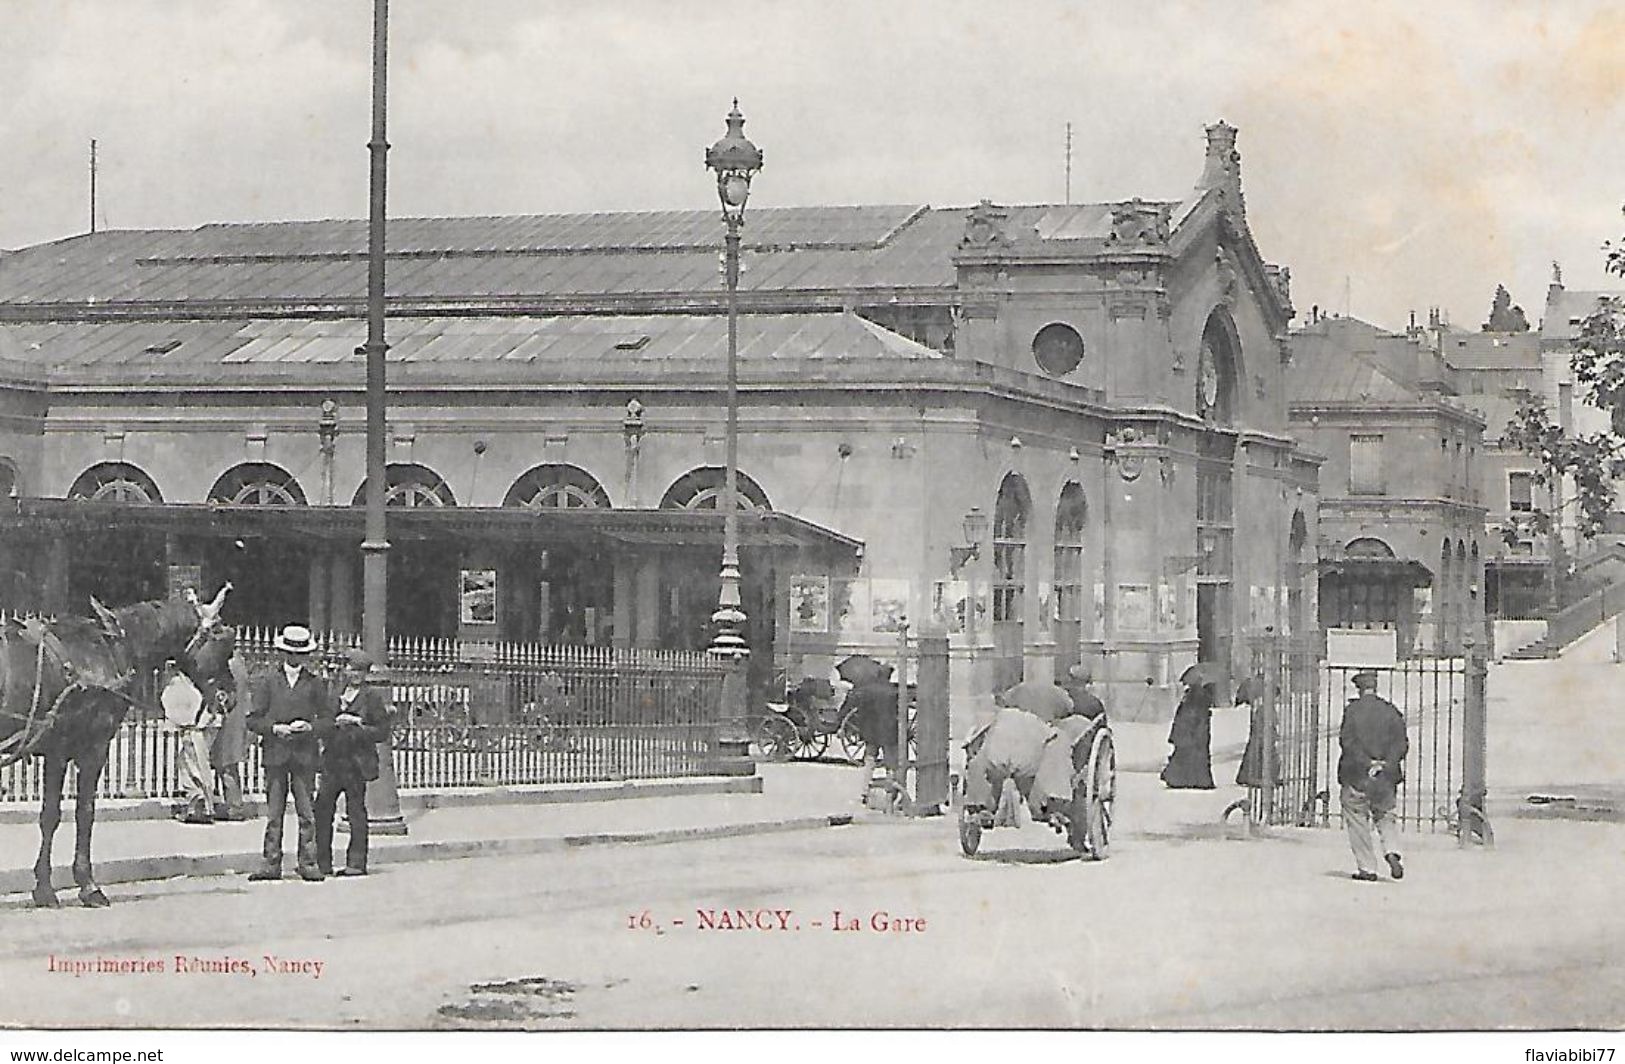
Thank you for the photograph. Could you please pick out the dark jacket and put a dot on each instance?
(230, 745)
(352, 751)
(1373, 730)
(1084, 702)
(274, 702)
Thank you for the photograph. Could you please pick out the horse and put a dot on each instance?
(63, 698)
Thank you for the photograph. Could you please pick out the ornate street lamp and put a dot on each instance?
(735, 160)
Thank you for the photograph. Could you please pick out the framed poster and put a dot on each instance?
(477, 596)
(809, 603)
(849, 604)
(1167, 607)
(181, 577)
(1134, 607)
(888, 604)
(949, 599)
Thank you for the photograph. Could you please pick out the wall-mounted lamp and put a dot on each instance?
(975, 528)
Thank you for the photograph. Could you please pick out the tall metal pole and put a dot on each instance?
(383, 797)
(92, 185)
(730, 612)
(375, 549)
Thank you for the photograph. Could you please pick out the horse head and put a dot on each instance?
(207, 662)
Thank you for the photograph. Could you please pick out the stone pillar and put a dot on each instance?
(623, 594)
(320, 566)
(646, 602)
(341, 594)
(931, 724)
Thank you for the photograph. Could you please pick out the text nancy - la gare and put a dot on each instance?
(876, 921)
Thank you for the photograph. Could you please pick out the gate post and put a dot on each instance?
(931, 723)
(900, 761)
(1266, 725)
(1471, 820)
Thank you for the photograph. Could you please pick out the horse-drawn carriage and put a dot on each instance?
(815, 712)
(1066, 772)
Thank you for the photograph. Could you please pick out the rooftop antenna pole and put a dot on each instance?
(1069, 164)
(93, 185)
(1348, 298)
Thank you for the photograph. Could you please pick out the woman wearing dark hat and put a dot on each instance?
(349, 761)
(1190, 766)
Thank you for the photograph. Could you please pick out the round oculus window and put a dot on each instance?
(1058, 348)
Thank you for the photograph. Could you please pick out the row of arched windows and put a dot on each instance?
(552, 486)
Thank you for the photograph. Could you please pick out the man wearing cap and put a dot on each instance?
(1079, 679)
(291, 714)
(1369, 770)
(349, 761)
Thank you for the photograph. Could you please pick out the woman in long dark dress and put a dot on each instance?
(1191, 765)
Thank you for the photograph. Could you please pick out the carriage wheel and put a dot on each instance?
(970, 829)
(853, 748)
(1093, 797)
(776, 737)
(810, 744)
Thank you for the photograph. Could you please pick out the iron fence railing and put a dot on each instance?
(506, 714)
(1298, 713)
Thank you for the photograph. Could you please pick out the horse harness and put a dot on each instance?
(38, 632)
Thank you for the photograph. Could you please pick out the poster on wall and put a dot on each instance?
(1046, 607)
(888, 605)
(1167, 607)
(809, 603)
(181, 577)
(1134, 607)
(849, 603)
(949, 599)
(477, 596)
(1100, 607)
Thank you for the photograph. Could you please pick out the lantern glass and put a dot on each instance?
(975, 526)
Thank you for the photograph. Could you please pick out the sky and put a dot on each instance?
(1396, 156)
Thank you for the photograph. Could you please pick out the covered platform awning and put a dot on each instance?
(648, 528)
(1395, 570)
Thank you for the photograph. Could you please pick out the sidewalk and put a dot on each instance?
(128, 851)
(137, 840)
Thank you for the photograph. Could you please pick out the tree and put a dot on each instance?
(1593, 460)
(1504, 317)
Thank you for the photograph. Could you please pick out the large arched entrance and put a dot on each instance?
(1218, 369)
(1011, 513)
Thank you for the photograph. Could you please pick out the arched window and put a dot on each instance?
(410, 485)
(1011, 512)
(1217, 369)
(115, 482)
(1070, 514)
(560, 487)
(257, 484)
(1367, 547)
(699, 489)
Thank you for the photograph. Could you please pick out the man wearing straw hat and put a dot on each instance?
(1370, 768)
(349, 761)
(291, 715)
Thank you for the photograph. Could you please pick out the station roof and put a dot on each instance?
(490, 259)
(697, 528)
(154, 349)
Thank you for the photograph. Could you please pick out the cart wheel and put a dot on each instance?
(810, 745)
(1092, 798)
(776, 737)
(970, 830)
(853, 748)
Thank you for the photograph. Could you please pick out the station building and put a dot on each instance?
(1054, 433)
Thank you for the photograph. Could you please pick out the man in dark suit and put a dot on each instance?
(291, 714)
(349, 761)
(1369, 770)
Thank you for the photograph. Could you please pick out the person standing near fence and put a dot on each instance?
(349, 762)
(230, 748)
(1369, 771)
(291, 714)
(194, 724)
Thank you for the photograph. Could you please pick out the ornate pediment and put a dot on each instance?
(1137, 222)
(984, 227)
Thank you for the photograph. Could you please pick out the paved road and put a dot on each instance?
(1181, 928)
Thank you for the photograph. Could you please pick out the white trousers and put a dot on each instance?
(196, 776)
(1369, 824)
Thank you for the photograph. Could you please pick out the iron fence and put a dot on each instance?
(503, 714)
(1297, 717)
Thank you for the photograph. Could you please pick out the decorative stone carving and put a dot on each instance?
(1229, 281)
(984, 227)
(1137, 222)
(1281, 280)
